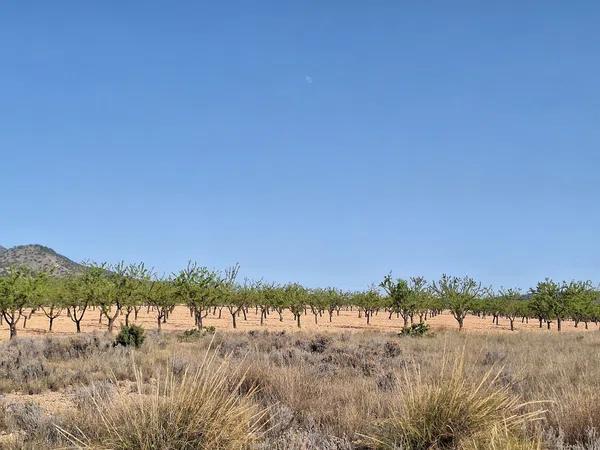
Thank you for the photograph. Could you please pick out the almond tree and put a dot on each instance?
(316, 302)
(197, 287)
(235, 298)
(17, 290)
(583, 303)
(419, 296)
(117, 288)
(458, 294)
(136, 281)
(82, 291)
(399, 297)
(264, 297)
(579, 297)
(277, 299)
(368, 302)
(53, 300)
(161, 295)
(295, 296)
(546, 302)
(333, 301)
(511, 305)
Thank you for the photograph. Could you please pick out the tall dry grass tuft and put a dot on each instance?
(449, 411)
(575, 417)
(197, 410)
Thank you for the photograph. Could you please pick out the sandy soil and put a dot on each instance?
(180, 320)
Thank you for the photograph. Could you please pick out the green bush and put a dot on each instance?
(416, 329)
(194, 333)
(132, 335)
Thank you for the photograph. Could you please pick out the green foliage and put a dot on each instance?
(399, 296)
(459, 295)
(122, 289)
(130, 336)
(194, 334)
(199, 288)
(416, 330)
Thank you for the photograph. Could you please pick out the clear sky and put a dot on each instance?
(325, 142)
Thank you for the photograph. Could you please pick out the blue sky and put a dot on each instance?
(320, 142)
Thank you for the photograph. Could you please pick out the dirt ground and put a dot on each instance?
(181, 320)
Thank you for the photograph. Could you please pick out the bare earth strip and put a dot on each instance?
(181, 320)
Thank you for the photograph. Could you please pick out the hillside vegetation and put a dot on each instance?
(37, 258)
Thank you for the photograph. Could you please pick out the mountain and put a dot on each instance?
(37, 257)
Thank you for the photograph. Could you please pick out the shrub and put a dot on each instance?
(203, 409)
(450, 412)
(195, 334)
(391, 350)
(416, 329)
(132, 335)
(319, 344)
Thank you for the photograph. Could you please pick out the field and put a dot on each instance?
(346, 320)
(340, 387)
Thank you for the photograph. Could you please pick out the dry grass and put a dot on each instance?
(320, 391)
(453, 412)
(197, 410)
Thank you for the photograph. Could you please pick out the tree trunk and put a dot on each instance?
(13, 330)
(111, 324)
(50, 326)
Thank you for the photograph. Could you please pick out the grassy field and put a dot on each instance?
(302, 390)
